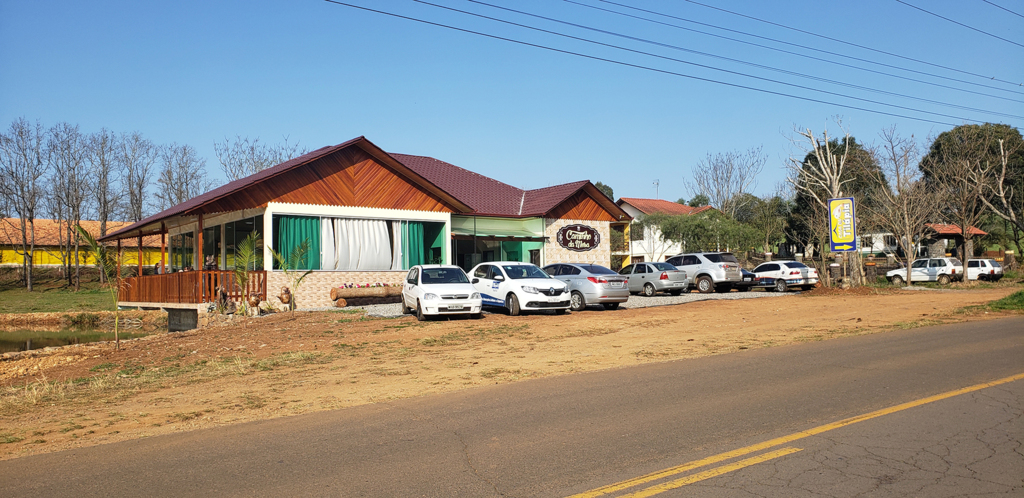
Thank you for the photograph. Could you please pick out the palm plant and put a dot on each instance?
(290, 266)
(248, 257)
(109, 263)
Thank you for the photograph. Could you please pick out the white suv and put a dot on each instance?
(709, 271)
(941, 270)
(984, 269)
(519, 287)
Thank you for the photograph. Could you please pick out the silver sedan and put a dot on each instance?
(590, 284)
(650, 278)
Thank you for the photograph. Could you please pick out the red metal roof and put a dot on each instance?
(948, 229)
(648, 206)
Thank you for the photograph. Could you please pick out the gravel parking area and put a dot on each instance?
(395, 310)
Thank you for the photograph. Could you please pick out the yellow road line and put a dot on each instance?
(661, 474)
(708, 474)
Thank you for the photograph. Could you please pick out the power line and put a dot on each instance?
(803, 47)
(958, 23)
(1004, 8)
(851, 43)
(675, 47)
(647, 68)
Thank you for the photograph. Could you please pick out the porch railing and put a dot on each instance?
(190, 287)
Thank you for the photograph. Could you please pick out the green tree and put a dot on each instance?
(699, 200)
(109, 262)
(606, 189)
(248, 257)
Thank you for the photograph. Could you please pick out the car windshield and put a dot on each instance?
(517, 272)
(597, 270)
(994, 263)
(444, 276)
(663, 266)
(796, 264)
(724, 257)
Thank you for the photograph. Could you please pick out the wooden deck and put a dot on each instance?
(190, 287)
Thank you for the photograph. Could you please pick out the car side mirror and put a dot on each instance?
(499, 278)
(476, 280)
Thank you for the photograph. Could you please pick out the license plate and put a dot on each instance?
(554, 299)
(746, 279)
(454, 307)
(617, 284)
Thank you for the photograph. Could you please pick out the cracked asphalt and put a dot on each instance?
(876, 415)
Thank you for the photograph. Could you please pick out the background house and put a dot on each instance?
(646, 244)
(51, 244)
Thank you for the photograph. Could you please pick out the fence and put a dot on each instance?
(191, 287)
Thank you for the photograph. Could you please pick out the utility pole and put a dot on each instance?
(656, 184)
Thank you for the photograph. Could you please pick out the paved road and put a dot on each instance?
(785, 421)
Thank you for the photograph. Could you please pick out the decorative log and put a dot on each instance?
(348, 292)
(340, 303)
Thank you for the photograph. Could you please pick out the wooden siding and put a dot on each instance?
(349, 177)
(581, 207)
(191, 287)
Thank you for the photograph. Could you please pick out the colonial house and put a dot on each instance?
(366, 216)
(646, 244)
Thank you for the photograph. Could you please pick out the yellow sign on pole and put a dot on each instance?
(842, 224)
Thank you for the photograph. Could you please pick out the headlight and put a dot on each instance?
(531, 290)
(430, 297)
(476, 295)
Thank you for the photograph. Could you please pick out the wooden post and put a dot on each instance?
(140, 253)
(163, 248)
(117, 257)
(200, 261)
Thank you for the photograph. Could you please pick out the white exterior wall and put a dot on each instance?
(652, 248)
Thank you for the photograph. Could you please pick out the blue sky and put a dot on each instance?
(321, 73)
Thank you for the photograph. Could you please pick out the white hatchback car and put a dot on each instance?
(984, 269)
(519, 287)
(432, 290)
(941, 270)
(786, 274)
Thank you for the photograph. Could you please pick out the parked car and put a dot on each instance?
(519, 287)
(432, 290)
(941, 270)
(590, 284)
(984, 269)
(787, 274)
(709, 271)
(747, 281)
(649, 278)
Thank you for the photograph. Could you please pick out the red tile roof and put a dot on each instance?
(485, 195)
(648, 206)
(948, 229)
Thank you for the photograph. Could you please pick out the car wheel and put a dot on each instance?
(897, 280)
(649, 289)
(611, 306)
(476, 316)
(705, 285)
(419, 312)
(780, 285)
(576, 302)
(560, 312)
(944, 280)
(512, 303)
(675, 292)
(405, 309)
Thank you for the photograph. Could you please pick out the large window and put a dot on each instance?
(237, 231)
(182, 250)
(355, 244)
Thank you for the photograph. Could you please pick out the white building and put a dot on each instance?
(648, 245)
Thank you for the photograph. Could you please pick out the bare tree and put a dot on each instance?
(102, 157)
(1001, 188)
(907, 204)
(66, 150)
(244, 156)
(22, 180)
(182, 175)
(958, 176)
(724, 177)
(136, 156)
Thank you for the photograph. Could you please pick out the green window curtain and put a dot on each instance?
(433, 235)
(290, 231)
(413, 252)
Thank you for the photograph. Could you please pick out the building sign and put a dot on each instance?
(578, 238)
(842, 224)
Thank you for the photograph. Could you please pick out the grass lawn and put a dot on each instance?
(51, 294)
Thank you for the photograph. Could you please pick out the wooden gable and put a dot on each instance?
(348, 177)
(581, 206)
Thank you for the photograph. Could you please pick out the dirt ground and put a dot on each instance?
(248, 369)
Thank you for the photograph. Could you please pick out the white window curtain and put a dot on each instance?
(352, 244)
(396, 243)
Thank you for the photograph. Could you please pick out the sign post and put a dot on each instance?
(842, 224)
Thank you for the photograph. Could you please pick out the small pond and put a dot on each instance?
(26, 339)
